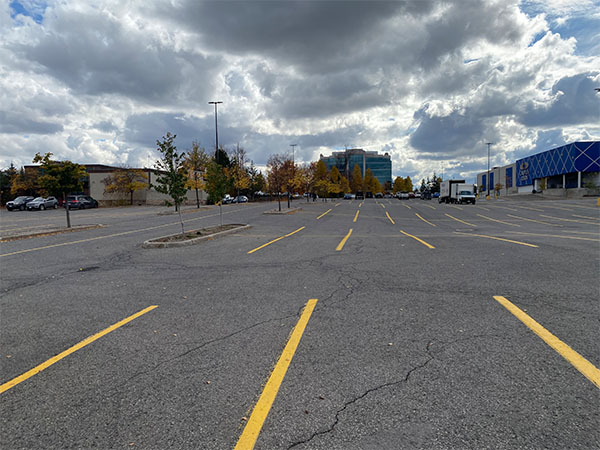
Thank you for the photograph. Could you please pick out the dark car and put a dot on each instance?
(426, 195)
(19, 203)
(360, 196)
(240, 199)
(41, 203)
(80, 202)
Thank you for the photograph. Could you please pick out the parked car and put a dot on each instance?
(41, 203)
(348, 196)
(359, 196)
(435, 195)
(80, 202)
(240, 199)
(411, 195)
(227, 199)
(402, 195)
(426, 195)
(417, 195)
(19, 203)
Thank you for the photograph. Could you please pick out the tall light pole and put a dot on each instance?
(293, 148)
(488, 170)
(216, 128)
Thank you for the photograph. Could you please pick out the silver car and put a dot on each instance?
(41, 203)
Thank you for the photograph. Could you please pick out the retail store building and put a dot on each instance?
(567, 170)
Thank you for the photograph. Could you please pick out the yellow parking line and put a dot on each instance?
(497, 239)
(557, 236)
(586, 217)
(263, 406)
(586, 368)
(533, 220)
(329, 210)
(417, 239)
(499, 221)
(532, 209)
(569, 220)
(457, 207)
(382, 205)
(424, 220)
(9, 384)
(343, 241)
(391, 220)
(458, 220)
(275, 240)
(337, 204)
(429, 206)
(406, 206)
(361, 203)
(356, 216)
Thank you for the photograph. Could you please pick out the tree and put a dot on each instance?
(376, 186)
(335, 182)
(321, 183)
(222, 158)
(171, 175)
(195, 164)
(6, 178)
(278, 175)
(126, 181)
(398, 185)
(240, 178)
(59, 177)
(408, 185)
(345, 184)
(368, 182)
(218, 184)
(498, 187)
(257, 180)
(387, 186)
(25, 182)
(357, 181)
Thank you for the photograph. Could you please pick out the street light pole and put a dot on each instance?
(216, 128)
(293, 148)
(488, 170)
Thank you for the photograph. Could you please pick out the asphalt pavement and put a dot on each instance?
(375, 324)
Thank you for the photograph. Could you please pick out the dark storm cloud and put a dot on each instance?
(98, 55)
(13, 123)
(454, 134)
(574, 104)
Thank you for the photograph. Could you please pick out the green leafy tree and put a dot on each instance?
(196, 162)
(59, 178)
(6, 178)
(171, 175)
(126, 181)
(357, 180)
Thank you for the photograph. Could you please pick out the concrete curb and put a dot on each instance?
(283, 211)
(50, 232)
(153, 243)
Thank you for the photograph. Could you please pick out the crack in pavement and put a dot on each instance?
(430, 358)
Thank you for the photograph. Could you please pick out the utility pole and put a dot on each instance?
(216, 128)
(488, 170)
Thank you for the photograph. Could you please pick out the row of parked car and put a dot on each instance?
(30, 203)
(239, 199)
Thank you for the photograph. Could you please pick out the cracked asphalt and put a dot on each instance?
(406, 347)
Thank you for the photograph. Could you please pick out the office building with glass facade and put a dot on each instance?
(380, 165)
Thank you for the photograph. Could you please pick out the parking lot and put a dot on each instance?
(352, 324)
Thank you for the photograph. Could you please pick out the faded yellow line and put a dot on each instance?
(9, 384)
(356, 216)
(391, 220)
(458, 220)
(263, 406)
(337, 204)
(586, 217)
(429, 206)
(329, 210)
(497, 239)
(425, 220)
(343, 241)
(569, 220)
(457, 207)
(532, 209)
(361, 203)
(533, 220)
(482, 207)
(557, 236)
(586, 368)
(275, 240)
(417, 239)
(406, 206)
(382, 205)
(499, 221)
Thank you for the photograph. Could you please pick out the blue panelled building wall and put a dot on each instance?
(569, 166)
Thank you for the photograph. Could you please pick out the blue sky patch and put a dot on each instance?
(34, 9)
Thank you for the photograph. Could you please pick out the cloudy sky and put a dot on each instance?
(99, 81)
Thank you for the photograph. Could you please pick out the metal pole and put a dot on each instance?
(488, 169)
(216, 127)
